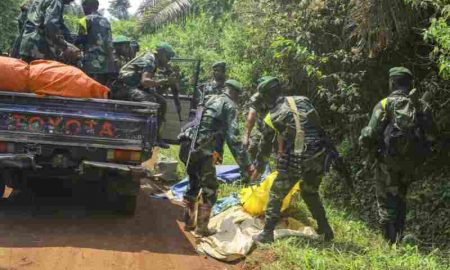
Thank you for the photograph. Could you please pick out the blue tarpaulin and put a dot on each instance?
(225, 173)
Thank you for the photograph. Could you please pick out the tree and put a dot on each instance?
(156, 13)
(119, 9)
(9, 9)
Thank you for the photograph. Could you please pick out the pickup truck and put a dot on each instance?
(79, 140)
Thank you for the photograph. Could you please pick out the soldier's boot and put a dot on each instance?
(266, 236)
(389, 232)
(317, 210)
(400, 221)
(189, 216)
(204, 213)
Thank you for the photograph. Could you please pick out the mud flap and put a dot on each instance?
(17, 161)
(122, 179)
(121, 182)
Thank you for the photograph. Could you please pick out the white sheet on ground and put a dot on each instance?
(235, 229)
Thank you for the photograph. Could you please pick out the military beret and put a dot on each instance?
(267, 84)
(87, 2)
(399, 71)
(167, 48)
(235, 85)
(261, 79)
(121, 39)
(221, 64)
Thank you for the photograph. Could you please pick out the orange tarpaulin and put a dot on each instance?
(52, 78)
(13, 74)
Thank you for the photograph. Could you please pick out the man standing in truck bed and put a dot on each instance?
(43, 33)
(96, 39)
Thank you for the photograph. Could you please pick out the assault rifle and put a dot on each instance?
(198, 118)
(333, 158)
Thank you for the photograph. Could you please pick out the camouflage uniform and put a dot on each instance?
(306, 164)
(43, 33)
(213, 88)
(219, 123)
(391, 179)
(129, 86)
(392, 174)
(257, 103)
(98, 61)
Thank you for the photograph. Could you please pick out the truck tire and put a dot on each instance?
(126, 205)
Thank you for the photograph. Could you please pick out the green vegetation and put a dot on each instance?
(119, 9)
(9, 10)
(337, 53)
(356, 246)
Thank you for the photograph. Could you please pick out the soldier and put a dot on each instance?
(294, 124)
(397, 135)
(96, 39)
(122, 51)
(217, 85)
(218, 123)
(258, 109)
(137, 81)
(43, 33)
(21, 19)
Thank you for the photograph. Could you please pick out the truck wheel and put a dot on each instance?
(2, 188)
(126, 205)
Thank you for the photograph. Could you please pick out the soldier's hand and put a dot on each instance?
(71, 53)
(251, 170)
(173, 79)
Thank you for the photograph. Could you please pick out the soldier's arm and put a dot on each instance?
(371, 133)
(148, 72)
(265, 147)
(232, 137)
(249, 124)
(53, 25)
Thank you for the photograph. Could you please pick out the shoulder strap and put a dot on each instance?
(300, 134)
(384, 104)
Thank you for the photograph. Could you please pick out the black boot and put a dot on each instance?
(162, 144)
(315, 206)
(266, 236)
(390, 233)
(189, 216)
(204, 213)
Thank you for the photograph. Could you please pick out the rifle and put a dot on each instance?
(333, 157)
(196, 125)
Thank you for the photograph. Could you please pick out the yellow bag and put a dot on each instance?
(254, 199)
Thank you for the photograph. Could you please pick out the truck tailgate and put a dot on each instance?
(77, 122)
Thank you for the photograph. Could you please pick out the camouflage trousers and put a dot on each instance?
(202, 176)
(253, 148)
(310, 174)
(391, 187)
(122, 92)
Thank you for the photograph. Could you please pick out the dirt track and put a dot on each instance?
(64, 237)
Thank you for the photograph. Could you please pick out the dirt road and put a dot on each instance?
(62, 236)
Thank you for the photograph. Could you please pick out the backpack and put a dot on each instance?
(403, 137)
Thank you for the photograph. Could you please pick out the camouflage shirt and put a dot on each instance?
(257, 103)
(131, 73)
(218, 124)
(280, 126)
(372, 134)
(213, 88)
(97, 48)
(43, 36)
